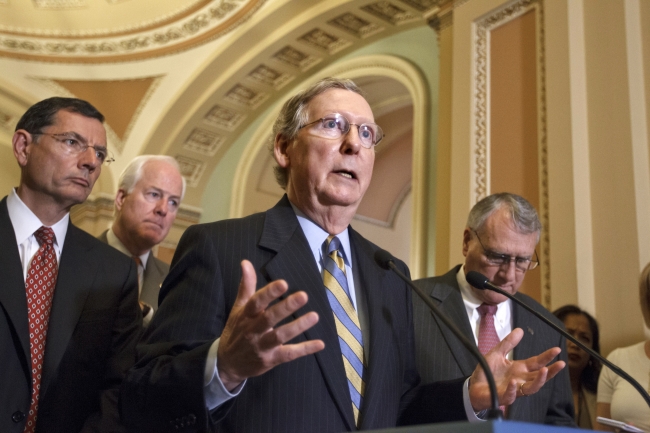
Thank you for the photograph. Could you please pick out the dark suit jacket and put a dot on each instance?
(440, 356)
(155, 272)
(94, 326)
(310, 394)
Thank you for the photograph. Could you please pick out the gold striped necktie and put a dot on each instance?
(347, 322)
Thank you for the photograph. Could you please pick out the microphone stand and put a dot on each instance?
(481, 282)
(385, 260)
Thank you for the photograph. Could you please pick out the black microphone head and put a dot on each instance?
(383, 258)
(477, 279)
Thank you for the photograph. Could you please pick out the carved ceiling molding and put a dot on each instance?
(209, 22)
(116, 142)
(222, 118)
(481, 120)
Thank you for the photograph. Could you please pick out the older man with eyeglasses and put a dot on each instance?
(499, 242)
(282, 321)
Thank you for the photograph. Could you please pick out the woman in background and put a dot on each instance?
(617, 399)
(583, 368)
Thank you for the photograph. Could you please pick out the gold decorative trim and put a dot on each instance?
(113, 138)
(390, 12)
(207, 23)
(187, 9)
(191, 169)
(482, 28)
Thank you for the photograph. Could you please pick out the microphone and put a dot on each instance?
(481, 282)
(386, 261)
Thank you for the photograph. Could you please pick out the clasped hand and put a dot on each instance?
(250, 344)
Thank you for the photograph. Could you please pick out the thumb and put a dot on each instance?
(509, 342)
(246, 284)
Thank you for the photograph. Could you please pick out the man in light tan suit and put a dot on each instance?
(150, 190)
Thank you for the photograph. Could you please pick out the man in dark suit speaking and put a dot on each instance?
(325, 343)
(499, 242)
(69, 315)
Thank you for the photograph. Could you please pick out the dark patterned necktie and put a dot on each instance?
(347, 323)
(39, 285)
(487, 333)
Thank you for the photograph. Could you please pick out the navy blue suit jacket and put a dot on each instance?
(164, 390)
(95, 323)
(440, 356)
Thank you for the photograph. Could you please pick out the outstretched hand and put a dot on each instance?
(250, 344)
(513, 378)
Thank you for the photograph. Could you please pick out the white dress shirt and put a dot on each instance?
(25, 223)
(502, 317)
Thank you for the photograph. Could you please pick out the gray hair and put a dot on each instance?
(293, 115)
(523, 214)
(133, 172)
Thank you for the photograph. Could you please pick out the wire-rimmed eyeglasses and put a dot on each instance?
(522, 264)
(336, 125)
(75, 144)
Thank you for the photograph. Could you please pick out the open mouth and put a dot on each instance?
(347, 174)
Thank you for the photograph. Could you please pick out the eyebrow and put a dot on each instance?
(83, 140)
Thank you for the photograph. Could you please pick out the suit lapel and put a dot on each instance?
(451, 302)
(76, 274)
(294, 263)
(152, 279)
(12, 292)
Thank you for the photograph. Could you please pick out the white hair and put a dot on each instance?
(133, 172)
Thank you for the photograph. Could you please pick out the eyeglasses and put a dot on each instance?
(495, 259)
(75, 144)
(336, 125)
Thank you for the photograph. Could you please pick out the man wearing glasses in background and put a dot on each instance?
(499, 242)
(69, 314)
(282, 321)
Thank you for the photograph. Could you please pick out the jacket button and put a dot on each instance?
(17, 416)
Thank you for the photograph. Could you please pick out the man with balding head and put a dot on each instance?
(149, 193)
(283, 321)
(499, 242)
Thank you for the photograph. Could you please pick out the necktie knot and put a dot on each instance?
(484, 309)
(333, 244)
(137, 261)
(44, 235)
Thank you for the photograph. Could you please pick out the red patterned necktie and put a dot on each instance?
(487, 333)
(39, 285)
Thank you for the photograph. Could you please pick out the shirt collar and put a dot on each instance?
(25, 222)
(116, 243)
(316, 236)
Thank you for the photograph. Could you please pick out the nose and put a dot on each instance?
(509, 270)
(88, 159)
(351, 141)
(162, 206)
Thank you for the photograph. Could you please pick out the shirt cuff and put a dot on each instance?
(215, 393)
(469, 410)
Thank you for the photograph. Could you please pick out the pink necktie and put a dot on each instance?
(39, 285)
(487, 333)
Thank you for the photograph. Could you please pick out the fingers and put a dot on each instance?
(509, 342)
(247, 284)
(536, 362)
(555, 368)
(531, 387)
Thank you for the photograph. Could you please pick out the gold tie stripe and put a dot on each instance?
(347, 323)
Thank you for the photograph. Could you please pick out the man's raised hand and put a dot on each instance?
(250, 344)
